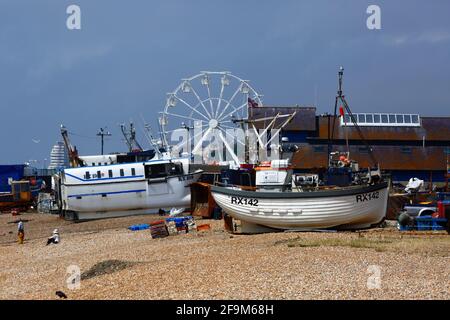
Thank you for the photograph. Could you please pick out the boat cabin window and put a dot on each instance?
(133, 171)
(392, 118)
(110, 173)
(376, 118)
(415, 118)
(384, 118)
(161, 170)
(407, 118)
(99, 174)
(87, 175)
(122, 173)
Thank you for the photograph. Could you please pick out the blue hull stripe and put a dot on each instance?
(102, 179)
(102, 193)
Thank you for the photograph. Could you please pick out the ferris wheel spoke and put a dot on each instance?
(225, 126)
(209, 98)
(229, 101)
(184, 117)
(230, 150)
(201, 102)
(199, 144)
(235, 110)
(220, 99)
(190, 107)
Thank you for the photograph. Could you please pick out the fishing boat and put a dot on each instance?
(120, 185)
(264, 209)
(124, 189)
(344, 198)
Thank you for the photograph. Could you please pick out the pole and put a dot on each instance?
(102, 134)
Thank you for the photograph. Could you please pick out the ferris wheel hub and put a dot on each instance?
(213, 123)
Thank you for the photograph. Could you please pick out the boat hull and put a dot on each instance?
(353, 208)
(98, 201)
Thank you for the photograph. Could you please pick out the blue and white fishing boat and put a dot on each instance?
(124, 189)
(106, 186)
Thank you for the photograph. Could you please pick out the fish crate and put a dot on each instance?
(158, 229)
(180, 222)
(138, 227)
(407, 228)
(429, 223)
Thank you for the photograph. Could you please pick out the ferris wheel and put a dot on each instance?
(208, 106)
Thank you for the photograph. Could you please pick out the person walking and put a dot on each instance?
(20, 231)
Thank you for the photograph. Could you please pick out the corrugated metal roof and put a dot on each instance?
(432, 128)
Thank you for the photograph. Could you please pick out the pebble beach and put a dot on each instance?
(116, 263)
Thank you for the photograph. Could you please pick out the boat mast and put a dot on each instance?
(74, 159)
(130, 138)
(340, 97)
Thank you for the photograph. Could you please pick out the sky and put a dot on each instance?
(129, 54)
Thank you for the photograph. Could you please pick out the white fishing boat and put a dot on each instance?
(137, 182)
(124, 189)
(346, 198)
(353, 207)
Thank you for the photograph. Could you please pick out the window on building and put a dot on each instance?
(122, 173)
(110, 173)
(378, 119)
(407, 118)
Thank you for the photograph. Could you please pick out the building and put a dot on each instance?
(59, 157)
(405, 145)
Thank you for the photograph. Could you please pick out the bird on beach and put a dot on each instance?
(61, 294)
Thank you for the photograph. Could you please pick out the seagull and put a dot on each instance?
(35, 140)
(61, 294)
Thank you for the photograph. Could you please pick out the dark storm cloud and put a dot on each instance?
(128, 54)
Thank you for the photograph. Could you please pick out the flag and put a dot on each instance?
(252, 103)
(341, 111)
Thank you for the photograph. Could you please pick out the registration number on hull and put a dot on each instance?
(368, 196)
(244, 201)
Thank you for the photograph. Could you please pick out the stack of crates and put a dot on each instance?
(426, 223)
(180, 222)
(158, 229)
(429, 223)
